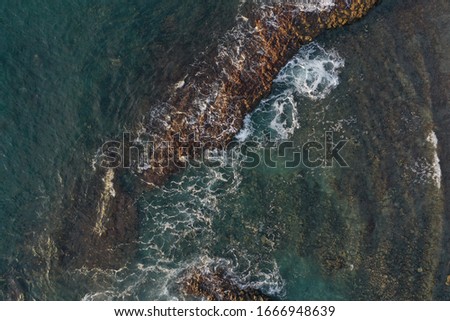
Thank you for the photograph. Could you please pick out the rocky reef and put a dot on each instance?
(209, 105)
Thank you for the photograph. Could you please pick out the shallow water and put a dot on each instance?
(373, 230)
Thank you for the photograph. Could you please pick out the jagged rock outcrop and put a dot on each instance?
(207, 108)
(216, 285)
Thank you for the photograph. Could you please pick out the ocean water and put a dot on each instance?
(75, 75)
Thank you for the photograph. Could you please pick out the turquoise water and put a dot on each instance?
(75, 75)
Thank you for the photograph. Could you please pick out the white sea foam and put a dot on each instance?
(285, 121)
(428, 169)
(303, 5)
(246, 131)
(313, 73)
(436, 174)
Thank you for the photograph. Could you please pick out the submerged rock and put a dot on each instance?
(103, 228)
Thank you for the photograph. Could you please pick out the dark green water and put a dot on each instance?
(76, 74)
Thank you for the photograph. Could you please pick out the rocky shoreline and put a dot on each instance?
(209, 105)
